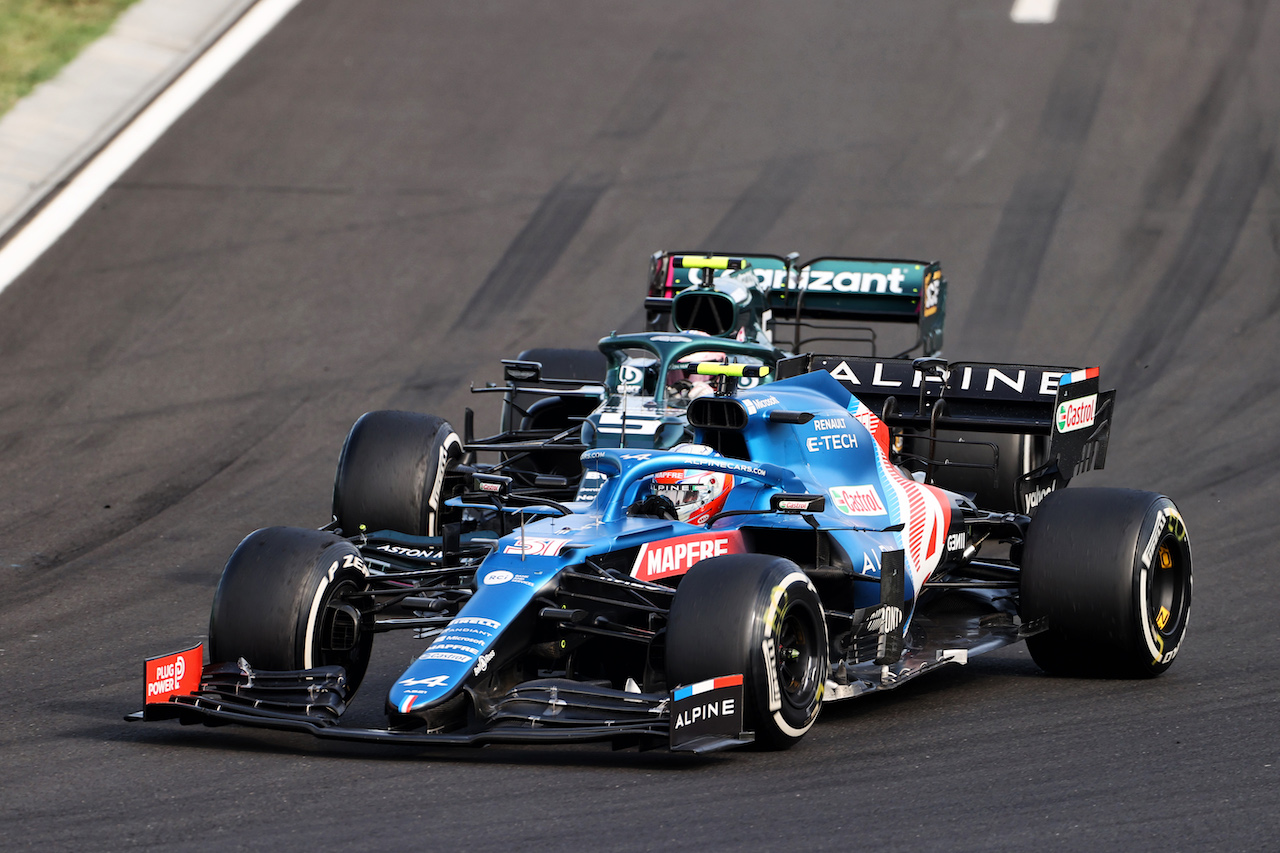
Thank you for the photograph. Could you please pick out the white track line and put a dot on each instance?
(1034, 11)
(101, 172)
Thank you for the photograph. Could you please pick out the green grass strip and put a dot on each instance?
(38, 37)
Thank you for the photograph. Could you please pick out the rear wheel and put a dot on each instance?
(760, 616)
(1109, 570)
(285, 602)
(391, 475)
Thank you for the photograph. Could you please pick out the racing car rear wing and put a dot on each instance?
(844, 290)
(929, 394)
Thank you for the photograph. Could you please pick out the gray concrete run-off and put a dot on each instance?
(53, 131)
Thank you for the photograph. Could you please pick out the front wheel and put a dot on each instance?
(760, 616)
(288, 600)
(1109, 572)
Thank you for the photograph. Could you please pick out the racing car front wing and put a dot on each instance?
(546, 711)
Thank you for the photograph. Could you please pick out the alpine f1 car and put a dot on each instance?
(701, 596)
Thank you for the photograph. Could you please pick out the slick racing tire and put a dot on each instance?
(391, 474)
(1109, 570)
(284, 603)
(760, 616)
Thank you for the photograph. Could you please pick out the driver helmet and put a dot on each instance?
(683, 377)
(697, 495)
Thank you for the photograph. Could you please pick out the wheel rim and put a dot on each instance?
(1167, 589)
(798, 657)
(339, 639)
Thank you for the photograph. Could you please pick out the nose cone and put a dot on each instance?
(506, 582)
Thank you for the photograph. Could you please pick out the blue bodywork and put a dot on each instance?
(833, 450)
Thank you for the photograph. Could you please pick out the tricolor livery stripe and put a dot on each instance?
(1078, 376)
(926, 514)
(707, 686)
(915, 524)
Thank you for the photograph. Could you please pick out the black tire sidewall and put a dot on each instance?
(791, 720)
(1162, 524)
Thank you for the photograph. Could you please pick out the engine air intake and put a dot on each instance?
(717, 413)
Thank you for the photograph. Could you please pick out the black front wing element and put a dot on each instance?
(547, 711)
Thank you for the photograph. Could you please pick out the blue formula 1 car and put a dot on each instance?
(706, 596)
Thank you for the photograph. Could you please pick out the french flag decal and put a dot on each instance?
(1078, 376)
(707, 686)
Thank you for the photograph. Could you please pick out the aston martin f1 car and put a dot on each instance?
(703, 596)
(745, 310)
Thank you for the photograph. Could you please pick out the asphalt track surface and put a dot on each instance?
(384, 198)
